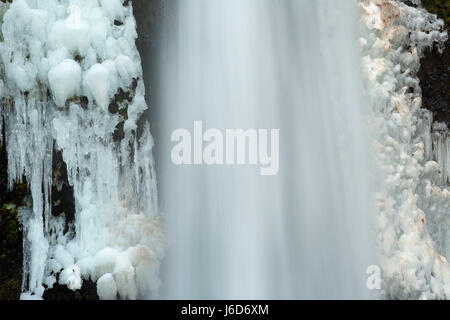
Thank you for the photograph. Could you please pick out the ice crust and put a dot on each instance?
(414, 201)
(54, 54)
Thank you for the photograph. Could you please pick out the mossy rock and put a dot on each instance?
(439, 7)
(59, 292)
(10, 253)
(11, 243)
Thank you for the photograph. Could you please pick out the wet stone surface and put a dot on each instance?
(434, 73)
(434, 77)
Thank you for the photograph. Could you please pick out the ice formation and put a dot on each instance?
(414, 200)
(72, 83)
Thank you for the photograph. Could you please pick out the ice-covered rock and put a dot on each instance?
(412, 155)
(62, 63)
(71, 277)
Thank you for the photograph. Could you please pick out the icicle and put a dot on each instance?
(65, 68)
(413, 199)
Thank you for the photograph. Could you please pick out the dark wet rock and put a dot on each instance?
(434, 73)
(439, 7)
(11, 245)
(434, 78)
(60, 292)
(63, 200)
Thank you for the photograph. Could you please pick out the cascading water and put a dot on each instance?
(291, 65)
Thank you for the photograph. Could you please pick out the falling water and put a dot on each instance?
(290, 65)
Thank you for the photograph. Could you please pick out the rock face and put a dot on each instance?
(434, 73)
(439, 7)
(10, 235)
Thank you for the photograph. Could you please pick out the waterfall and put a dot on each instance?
(291, 65)
(281, 129)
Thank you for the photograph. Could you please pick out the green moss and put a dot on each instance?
(439, 7)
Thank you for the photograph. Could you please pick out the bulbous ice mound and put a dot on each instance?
(414, 197)
(66, 68)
